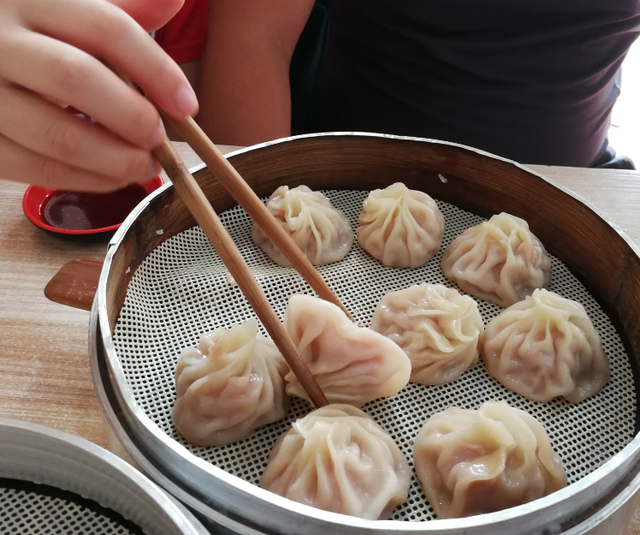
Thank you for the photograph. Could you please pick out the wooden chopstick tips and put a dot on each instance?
(204, 214)
(197, 203)
(231, 180)
(227, 175)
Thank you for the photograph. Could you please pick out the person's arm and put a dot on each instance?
(50, 52)
(244, 77)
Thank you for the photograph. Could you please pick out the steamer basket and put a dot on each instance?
(593, 260)
(55, 482)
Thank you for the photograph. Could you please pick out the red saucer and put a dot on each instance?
(83, 213)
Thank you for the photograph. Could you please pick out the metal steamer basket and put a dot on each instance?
(162, 286)
(55, 482)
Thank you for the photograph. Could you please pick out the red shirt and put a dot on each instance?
(185, 35)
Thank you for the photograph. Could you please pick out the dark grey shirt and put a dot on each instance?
(530, 80)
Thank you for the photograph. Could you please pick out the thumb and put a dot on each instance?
(150, 14)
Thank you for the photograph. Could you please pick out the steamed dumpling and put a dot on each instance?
(352, 364)
(437, 327)
(400, 227)
(499, 260)
(321, 231)
(546, 346)
(338, 459)
(229, 386)
(472, 462)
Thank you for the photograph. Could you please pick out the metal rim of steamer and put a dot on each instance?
(35, 453)
(240, 502)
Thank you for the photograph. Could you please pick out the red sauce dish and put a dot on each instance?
(73, 213)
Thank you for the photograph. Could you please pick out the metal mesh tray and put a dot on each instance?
(30, 508)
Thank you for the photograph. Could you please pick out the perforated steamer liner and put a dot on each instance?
(180, 290)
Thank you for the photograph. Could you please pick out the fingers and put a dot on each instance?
(64, 73)
(48, 130)
(22, 165)
(52, 51)
(108, 32)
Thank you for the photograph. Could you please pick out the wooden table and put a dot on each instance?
(44, 371)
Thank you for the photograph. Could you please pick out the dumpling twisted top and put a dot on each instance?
(400, 227)
(545, 346)
(229, 386)
(321, 231)
(437, 327)
(499, 260)
(472, 462)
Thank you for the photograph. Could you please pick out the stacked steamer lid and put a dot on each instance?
(55, 482)
(134, 332)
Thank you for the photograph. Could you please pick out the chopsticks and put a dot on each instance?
(247, 198)
(195, 200)
(204, 214)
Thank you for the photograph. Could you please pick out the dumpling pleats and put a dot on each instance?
(338, 459)
(229, 386)
(499, 260)
(322, 232)
(472, 462)
(400, 227)
(544, 347)
(437, 327)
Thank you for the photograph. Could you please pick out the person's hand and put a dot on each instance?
(48, 51)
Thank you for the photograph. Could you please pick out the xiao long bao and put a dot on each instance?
(229, 386)
(437, 327)
(546, 346)
(351, 364)
(322, 232)
(473, 462)
(400, 227)
(499, 260)
(338, 459)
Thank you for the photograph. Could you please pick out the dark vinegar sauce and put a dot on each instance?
(84, 211)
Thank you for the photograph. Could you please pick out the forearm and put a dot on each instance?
(245, 105)
(244, 81)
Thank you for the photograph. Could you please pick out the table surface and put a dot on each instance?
(44, 371)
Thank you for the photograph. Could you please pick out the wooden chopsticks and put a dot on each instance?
(246, 197)
(204, 214)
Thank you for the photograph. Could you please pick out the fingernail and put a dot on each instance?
(186, 101)
(158, 135)
(154, 168)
